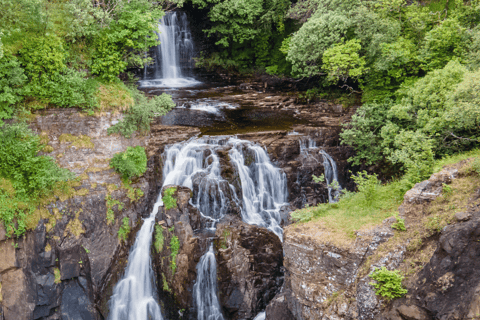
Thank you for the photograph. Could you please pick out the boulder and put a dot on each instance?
(249, 267)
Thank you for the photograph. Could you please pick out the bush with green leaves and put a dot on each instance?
(367, 185)
(142, 113)
(130, 163)
(12, 79)
(124, 230)
(388, 283)
(30, 174)
(24, 175)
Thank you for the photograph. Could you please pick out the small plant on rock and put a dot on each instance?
(399, 225)
(131, 163)
(124, 229)
(388, 283)
(169, 201)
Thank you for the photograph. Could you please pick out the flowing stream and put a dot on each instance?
(134, 296)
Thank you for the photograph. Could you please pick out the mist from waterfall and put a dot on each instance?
(174, 55)
(134, 296)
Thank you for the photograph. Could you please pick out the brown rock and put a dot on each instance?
(412, 313)
(249, 263)
(18, 296)
(7, 256)
(463, 216)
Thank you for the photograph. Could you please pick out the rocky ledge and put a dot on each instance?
(326, 277)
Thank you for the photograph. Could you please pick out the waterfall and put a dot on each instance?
(174, 55)
(205, 288)
(331, 177)
(264, 186)
(196, 165)
(133, 297)
(260, 316)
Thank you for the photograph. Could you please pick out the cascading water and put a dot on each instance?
(331, 177)
(205, 288)
(134, 296)
(264, 187)
(174, 55)
(196, 164)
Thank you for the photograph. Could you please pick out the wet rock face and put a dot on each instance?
(292, 155)
(249, 267)
(448, 286)
(180, 222)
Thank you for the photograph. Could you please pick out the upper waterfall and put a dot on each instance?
(174, 55)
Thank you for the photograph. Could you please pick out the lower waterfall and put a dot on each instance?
(134, 296)
(205, 288)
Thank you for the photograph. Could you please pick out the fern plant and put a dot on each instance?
(388, 283)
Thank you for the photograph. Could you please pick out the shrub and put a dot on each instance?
(29, 173)
(366, 185)
(141, 114)
(399, 225)
(12, 79)
(124, 229)
(388, 283)
(131, 163)
(169, 201)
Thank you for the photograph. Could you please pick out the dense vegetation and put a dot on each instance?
(66, 53)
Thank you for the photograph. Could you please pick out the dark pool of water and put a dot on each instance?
(205, 108)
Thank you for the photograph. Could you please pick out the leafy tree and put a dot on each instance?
(342, 61)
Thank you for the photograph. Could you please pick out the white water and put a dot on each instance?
(134, 296)
(331, 175)
(260, 316)
(205, 288)
(208, 105)
(264, 186)
(174, 54)
(194, 164)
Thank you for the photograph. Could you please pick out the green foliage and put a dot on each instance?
(427, 119)
(12, 79)
(131, 163)
(110, 202)
(319, 179)
(142, 113)
(58, 276)
(24, 176)
(476, 165)
(133, 28)
(388, 283)
(342, 61)
(158, 238)
(124, 230)
(30, 174)
(367, 185)
(174, 247)
(169, 201)
(399, 225)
